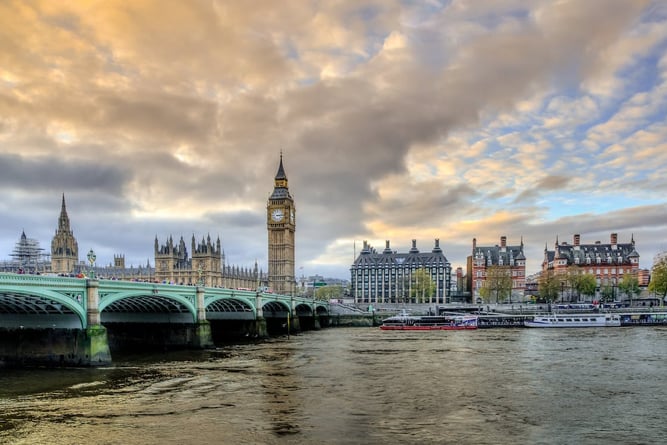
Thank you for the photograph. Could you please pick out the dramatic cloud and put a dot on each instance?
(397, 120)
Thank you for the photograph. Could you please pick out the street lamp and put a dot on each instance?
(91, 259)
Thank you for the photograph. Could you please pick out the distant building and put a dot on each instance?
(609, 263)
(307, 285)
(504, 255)
(386, 277)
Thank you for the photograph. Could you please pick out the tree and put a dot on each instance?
(579, 283)
(548, 286)
(586, 285)
(497, 285)
(658, 283)
(607, 292)
(572, 278)
(629, 285)
(422, 286)
(329, 292)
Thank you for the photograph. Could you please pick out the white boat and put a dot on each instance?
(573, 321)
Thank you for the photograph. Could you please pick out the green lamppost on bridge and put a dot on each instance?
(91, 259)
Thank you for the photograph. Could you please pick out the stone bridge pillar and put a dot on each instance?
(94, 344)
(260, 322)
(92, 302)
(294, 325)
(203, 337)
(316, 318)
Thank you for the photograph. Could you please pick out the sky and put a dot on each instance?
(397, 120)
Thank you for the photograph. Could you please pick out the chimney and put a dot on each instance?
(577, 239)
(474, 243)
(386, 244)
(614, 239)
(503, 241)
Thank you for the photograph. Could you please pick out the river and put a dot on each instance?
(359, 386)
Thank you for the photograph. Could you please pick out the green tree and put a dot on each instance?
(579, 283)
(422, 286)
(586, 285)
(548, 286)
(607, 292)
(497, 285)
(629, 285)
(658, 283)
(329, 292)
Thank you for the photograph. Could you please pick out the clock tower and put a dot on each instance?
(281, 224)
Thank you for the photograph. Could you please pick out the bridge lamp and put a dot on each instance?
(91, 259)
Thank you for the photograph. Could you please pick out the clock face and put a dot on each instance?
(277, 215)
(291, 216)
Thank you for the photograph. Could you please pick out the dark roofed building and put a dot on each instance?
(506, 255)
(386, 277)
(609, 263)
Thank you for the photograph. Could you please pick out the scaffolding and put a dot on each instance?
(27, 257)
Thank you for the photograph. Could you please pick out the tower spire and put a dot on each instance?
(63, 219)
(281, 170)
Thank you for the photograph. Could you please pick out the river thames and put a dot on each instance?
(359, 386)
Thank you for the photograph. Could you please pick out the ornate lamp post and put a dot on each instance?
(91, 259)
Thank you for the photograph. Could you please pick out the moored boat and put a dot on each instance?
(573, 321)
(405, 322)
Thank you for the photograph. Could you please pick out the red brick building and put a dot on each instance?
(609, 263)
(484, 257)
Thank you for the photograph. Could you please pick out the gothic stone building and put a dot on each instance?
(204, 265)
(64, 248)
(484, 257)
(386, 277)
(609, 263)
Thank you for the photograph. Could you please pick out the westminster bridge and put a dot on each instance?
(78, 321)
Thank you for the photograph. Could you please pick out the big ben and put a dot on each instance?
(281, 224)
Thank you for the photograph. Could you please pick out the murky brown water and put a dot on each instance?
(359, 386)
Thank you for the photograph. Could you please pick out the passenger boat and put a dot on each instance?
(573, 321)
(406, 322)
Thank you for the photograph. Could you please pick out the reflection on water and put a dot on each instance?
(362, 386)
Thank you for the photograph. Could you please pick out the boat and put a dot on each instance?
(573, 321)
(407, 322)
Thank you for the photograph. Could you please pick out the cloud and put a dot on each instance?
(409, 120)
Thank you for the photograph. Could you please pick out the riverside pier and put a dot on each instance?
(490, 316)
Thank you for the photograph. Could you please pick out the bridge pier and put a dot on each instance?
(94, 343)
(261, 331)
(202, 335)
(94, 346)
(294, 324)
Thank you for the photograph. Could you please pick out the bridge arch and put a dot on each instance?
(221, 307)
(35, 306)
(140, 306)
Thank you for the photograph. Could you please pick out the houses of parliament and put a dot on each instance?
(203, 264)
